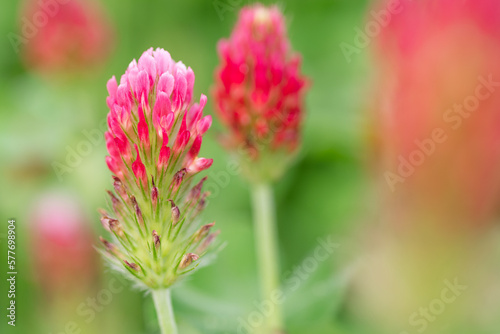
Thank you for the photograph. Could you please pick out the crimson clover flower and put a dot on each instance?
(259, 92)
(154, 137)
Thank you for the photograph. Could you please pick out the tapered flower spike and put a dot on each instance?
(154, 235)
(258, 95)
(259, 92)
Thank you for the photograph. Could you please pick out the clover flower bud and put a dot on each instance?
(187, 260)
(156, 239)
(259, 92)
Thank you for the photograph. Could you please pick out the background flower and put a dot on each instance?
(439, 107)
(61, 249)
(436, 122)
(65, 35)
(259, 92)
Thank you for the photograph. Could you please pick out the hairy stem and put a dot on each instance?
(267, 252)
(164, 311)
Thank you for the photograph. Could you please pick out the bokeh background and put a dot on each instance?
(330, 191)
(43, 114)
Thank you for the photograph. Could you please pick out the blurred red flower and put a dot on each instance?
(259, 87)
(65, 35)
(440, 107)
(61, 246)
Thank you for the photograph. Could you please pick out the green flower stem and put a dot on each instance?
(267, 251)
(164, 311)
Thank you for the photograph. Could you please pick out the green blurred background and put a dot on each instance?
(323, 194)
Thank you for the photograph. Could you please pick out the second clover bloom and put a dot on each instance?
(259, 92)
(154, 137)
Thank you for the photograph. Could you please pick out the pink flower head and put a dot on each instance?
(440, 119)
(154, 139)
(259, 87)
(64, 35)
(154, 128)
